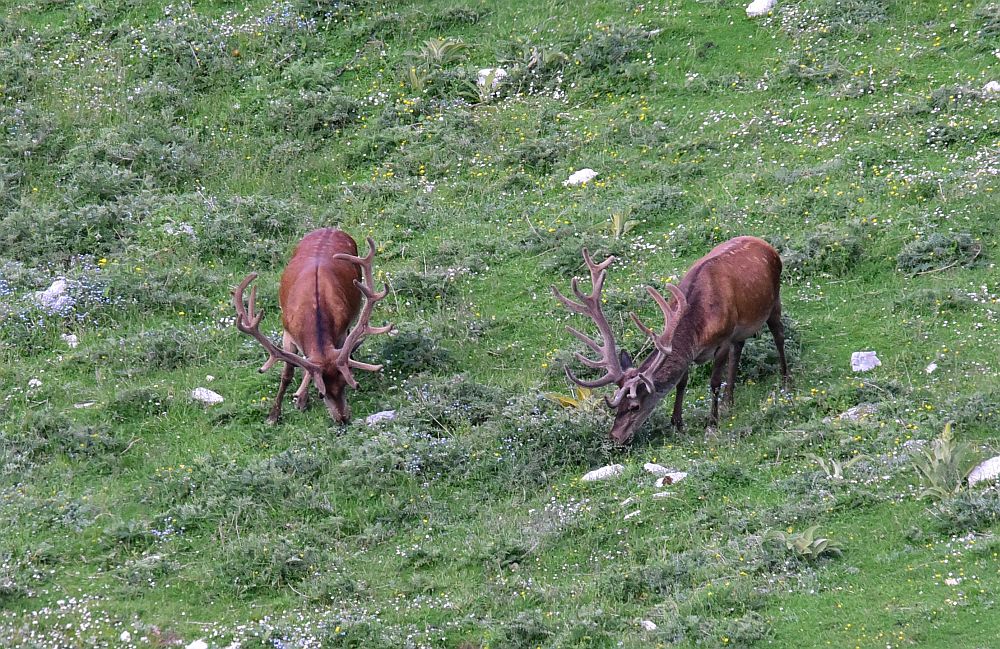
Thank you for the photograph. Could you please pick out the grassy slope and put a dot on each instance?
(843, 143)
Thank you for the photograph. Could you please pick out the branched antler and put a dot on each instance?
(249, 323)
(590, 305)
(362, 328)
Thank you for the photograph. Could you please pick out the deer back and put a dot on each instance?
(731, 292)
(318, 296)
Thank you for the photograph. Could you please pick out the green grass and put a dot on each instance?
(155, 153)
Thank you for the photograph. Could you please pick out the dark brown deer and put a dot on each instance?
(724, 298)
(320, 296)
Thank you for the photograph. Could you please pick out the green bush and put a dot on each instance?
(938, 252)
(411, 352)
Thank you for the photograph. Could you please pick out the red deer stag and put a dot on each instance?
(724, 298)
(320, 296)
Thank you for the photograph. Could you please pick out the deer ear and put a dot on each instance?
(625, 360)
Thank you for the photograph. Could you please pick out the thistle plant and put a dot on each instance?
(832, 467)
(943, 468)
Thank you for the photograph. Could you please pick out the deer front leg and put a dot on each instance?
(286, 378)
(301, 395)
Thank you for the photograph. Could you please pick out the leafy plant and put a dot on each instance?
(832, 467)
(805, 545)
(439, 52)
(620, 224)
(944, 466)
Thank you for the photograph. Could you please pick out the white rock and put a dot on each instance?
(580, 177)
(760, 8)
(604, 473)
(987, 471)
(633, 514)
(206, 396)
(499, 74)
(648, 625)
(657, 469)
(125, 636)
(864, 361)
(71, 340)
(992, 88)
(385, 415)
(54, 298)
(671, 478)
(930, 368)
(34, 383)
(952, 581)
(197, 644)
(209, 378)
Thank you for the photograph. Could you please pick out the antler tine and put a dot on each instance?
(250, 325)
(671, 316)
(362, 328)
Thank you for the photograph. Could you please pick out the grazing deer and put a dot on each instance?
(724, 298)
(320, 295)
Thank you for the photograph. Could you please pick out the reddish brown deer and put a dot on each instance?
(320, 296)
(724, 298)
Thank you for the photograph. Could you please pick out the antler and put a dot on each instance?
(590, 305)
(361, 328)
(671, 315)
(250, 325)
(662, 343)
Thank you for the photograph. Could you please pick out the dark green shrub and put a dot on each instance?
(312, 112)
(161, 349)
(934, 300)
(611, 48)
(827, 249)
(253, 563)
(811, 68)
(970, 510)
(938, 252)
(411, 352)
(537, 439)
(424, 288)
(988, 33)
(136, 404)
(450, 402)
(265, 228)
(526, 631)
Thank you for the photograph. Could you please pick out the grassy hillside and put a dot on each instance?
(153, 154)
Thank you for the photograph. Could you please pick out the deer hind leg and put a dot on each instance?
(734, 363)
(676, 419)
(778, 331)
(721, 357)
(286, 378)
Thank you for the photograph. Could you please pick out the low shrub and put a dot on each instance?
(832, 249)
(410, 352)
(937, 252)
